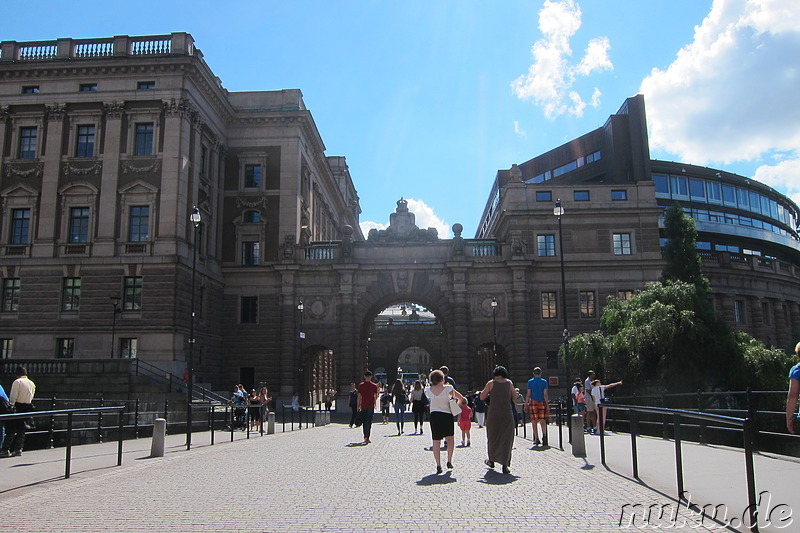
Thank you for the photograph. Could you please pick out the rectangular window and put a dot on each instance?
(250, 253)
(20, 226)
(739, 311)
(552, 359)
(65, 348)
(252, 176)
(679, 187)
(544, 196)
(30, 89)
(11, 295)
(729, 195)
(143, 139)
(138, 224)
(27, 142)
(249, 309)
(88, 87)
(6, 348)
(71, 294)
(622, 244)
(79, 224)
(624, 295)
(132, 294)
(765, 311)
(546, 245)
(587, 304)
(144, 85)
(128, 347)
(662, 185)
(621, 194)
(714, 194)
(697, 189)
(85, 145)
(569, 167)
(580, 196)
(591, 158)
(549, 309)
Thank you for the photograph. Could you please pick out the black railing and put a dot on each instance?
(745, 425)
(70, 414)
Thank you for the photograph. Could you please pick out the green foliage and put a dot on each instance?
(680, 253)
(764, 368)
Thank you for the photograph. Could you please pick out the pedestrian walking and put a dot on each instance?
(367, 396)
(418, 403)
(441, 418)
(399, 401)
(500, 419)
(538, 402)
(352, 402)
(465, 422)
(791, 395)
(480, 410)
(21, 397)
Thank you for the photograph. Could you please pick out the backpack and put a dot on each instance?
(5, 407)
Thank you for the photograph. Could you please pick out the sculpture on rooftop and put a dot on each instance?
(402, 228)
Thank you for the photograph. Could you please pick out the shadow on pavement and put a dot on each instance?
(492, 477)
(437, 479)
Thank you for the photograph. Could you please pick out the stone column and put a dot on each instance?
(289, 328)
(45, 242)
(107, 214)
(459, 357)
(519, 358)
(4, 117)
(174, 208)
(349, 358)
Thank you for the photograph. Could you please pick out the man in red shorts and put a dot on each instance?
(537, 401)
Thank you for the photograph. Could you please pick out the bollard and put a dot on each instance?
(159, 432)
(578, 440)
(270, 423)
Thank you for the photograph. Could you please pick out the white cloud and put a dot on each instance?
(518, 129)
(550, 78)
(731, 95)
(424, 218)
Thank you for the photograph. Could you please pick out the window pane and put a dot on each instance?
(65, 348)
(71, 294)
(546, 245)
(622, 244)
(79, 224)
(549, 305)
(587, 304)
(249, 309)
(85, 146)
(6, 348)
(544, 196)
(250, 253)
(138, 225)
(581, 196)
(252, 217)
(20, 225)
(662, 184)
(11, 295)
(132, 294)
(619, 195)
(27, 143)
(143, 139)
(128, 348)
(252, 176)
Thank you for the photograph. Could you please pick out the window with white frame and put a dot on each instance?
(546, 245)
(622, 243)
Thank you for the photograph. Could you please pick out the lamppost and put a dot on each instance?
(300, 369)
(117, 310)
(494, 327)
(195, 220)
(558, 211)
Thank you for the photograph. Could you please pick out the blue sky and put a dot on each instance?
(427, 99)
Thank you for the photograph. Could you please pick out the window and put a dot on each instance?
(569, 167)
(714, 194)
(729, 195)
(30, 89)
(250, 253)
(11, 295)
(88, 87)
(549, 305)
(546, 245)
(251, 217)
(662, 185)
(79, 224)
(552, 359)
(143, 139)
(697, 189)
(765, 311)
(20, 226)
(128, 347)
(249, 309)
(27, 142)
(132, 294)
(6, 348)
(252, 176)
(679, 187)
(591, 158)
(621, 194)
(85, 144)
(587, 304)
(580, 196)
(622, 244)
(624, 295)
(71, 294)
(544, 196)
(739, 311)
(138, 224)
(65, 348)
(144, 85)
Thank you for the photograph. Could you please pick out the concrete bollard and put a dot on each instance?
(270, 423)
(159, 432)
(578, 438)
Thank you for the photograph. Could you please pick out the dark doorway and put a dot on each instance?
(247, 377)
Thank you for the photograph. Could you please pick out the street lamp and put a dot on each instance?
(117, 310)
(195, 220)
(558, 212)
(494, 327)
(302, 336)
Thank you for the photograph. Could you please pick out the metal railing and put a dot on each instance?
(70, 414)
(745, 425)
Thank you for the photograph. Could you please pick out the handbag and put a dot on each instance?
(455, 409)
(360, 416)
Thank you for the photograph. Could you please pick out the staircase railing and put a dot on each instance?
(175, 384)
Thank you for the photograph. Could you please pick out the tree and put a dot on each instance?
(680, 252)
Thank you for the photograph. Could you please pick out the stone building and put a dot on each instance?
(108, 145)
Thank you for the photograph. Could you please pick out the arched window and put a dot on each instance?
(251, 216)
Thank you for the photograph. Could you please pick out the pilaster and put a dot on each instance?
(174, 208)
(45, 242)
(107, 215)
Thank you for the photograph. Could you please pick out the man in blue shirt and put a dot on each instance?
(537, 400)
(794, 390)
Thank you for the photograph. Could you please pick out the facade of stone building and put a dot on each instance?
(107, 145)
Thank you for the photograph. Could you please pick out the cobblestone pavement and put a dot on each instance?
(324, 479)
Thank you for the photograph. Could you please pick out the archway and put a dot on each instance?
(321, 378)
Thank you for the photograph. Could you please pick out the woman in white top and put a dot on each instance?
(442, 423)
